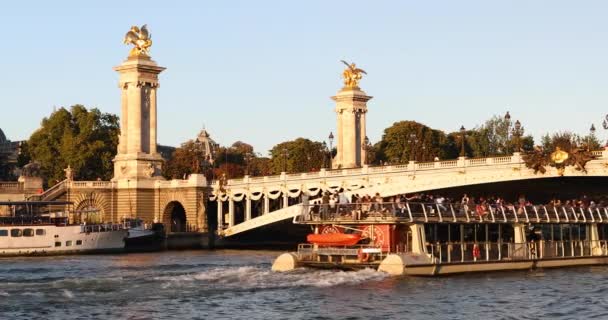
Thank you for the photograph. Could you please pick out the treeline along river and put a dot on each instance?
(240, 285)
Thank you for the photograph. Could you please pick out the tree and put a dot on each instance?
(6, 168)
(410, 140)
(186, 160)
(300, 155)
(84, 139)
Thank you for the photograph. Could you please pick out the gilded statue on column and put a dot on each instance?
(352, 75)
(141, 39)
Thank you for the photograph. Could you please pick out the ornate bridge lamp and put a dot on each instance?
(331, 148)
(325, 151)
(517, 132)
(462, 137)
(285, 154)
(591, 135)
(248, 157)
(365, 146)
(508, 121)
(412, 141)
(605, 125)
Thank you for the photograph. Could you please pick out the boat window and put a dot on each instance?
(78, 242)
(57, 244)
(16, 232)
(583, 231)
(468, 233)
(40, 232)
(493, 232)
(3, 233)
(455, 233)
(68, 243)
(602, 231)
(566, 232)
(480, 233)
(507, 233)
(443, 233)
(28, 232)
(557, 232)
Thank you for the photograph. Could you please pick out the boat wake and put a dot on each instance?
(262, 278)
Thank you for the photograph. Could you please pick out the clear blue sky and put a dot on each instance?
(263, 71)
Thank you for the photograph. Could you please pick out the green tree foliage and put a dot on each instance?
(410, 140)
(566, 140)
(84, 139)
(300, 155)
(187, 159)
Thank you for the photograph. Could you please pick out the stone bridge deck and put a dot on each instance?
(252, 198)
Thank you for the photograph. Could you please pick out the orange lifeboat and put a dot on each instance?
(334, 239)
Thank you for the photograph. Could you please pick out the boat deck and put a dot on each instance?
(395, 213)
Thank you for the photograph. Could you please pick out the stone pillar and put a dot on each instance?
(285, 200)
(230, 213)
(247, 208)
(137, 157)
(266, 204)
(220, 214)
(351, 107)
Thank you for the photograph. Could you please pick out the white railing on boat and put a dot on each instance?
(503, 251)
(387, 212)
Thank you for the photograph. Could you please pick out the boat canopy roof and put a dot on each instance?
(35, 203)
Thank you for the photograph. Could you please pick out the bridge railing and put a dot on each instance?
(386, 212)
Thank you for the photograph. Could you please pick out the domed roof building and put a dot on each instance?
(207, 146)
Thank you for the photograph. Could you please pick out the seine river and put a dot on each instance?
(240, 285)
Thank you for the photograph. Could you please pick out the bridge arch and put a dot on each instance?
(174, 217)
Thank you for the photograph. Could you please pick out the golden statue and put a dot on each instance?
(141, 39)
(559, 156)
(352, 75)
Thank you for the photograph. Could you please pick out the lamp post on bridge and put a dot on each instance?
(365, 146)
(285, 153)
(517, 132)
(412, 141)
(462, 137)
(331, 147)
(508, 121)
(591, 135)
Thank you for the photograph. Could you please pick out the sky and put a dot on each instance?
(263, 72)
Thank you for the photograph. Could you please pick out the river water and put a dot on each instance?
(240, 285)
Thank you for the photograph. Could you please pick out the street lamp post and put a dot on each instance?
(325, 154)
(591, 135)
(285, 154)
(247, 162)
(412, 140)
(517, 132)
(508, 121)
(462, 137)
(331, 147)
(365, 146)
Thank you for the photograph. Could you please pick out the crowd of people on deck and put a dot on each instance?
(360, 205)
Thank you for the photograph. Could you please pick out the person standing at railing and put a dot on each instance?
(325, 205)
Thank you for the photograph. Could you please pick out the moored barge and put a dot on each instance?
(428, 239)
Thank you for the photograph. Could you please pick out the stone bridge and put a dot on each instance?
(251, 202)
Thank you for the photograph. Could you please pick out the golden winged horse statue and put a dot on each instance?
(141, 39)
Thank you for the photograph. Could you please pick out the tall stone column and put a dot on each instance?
(137, 156)
(351, 107)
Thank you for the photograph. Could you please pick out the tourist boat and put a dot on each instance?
(427, 239)
(333, 239)
(49, 227)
